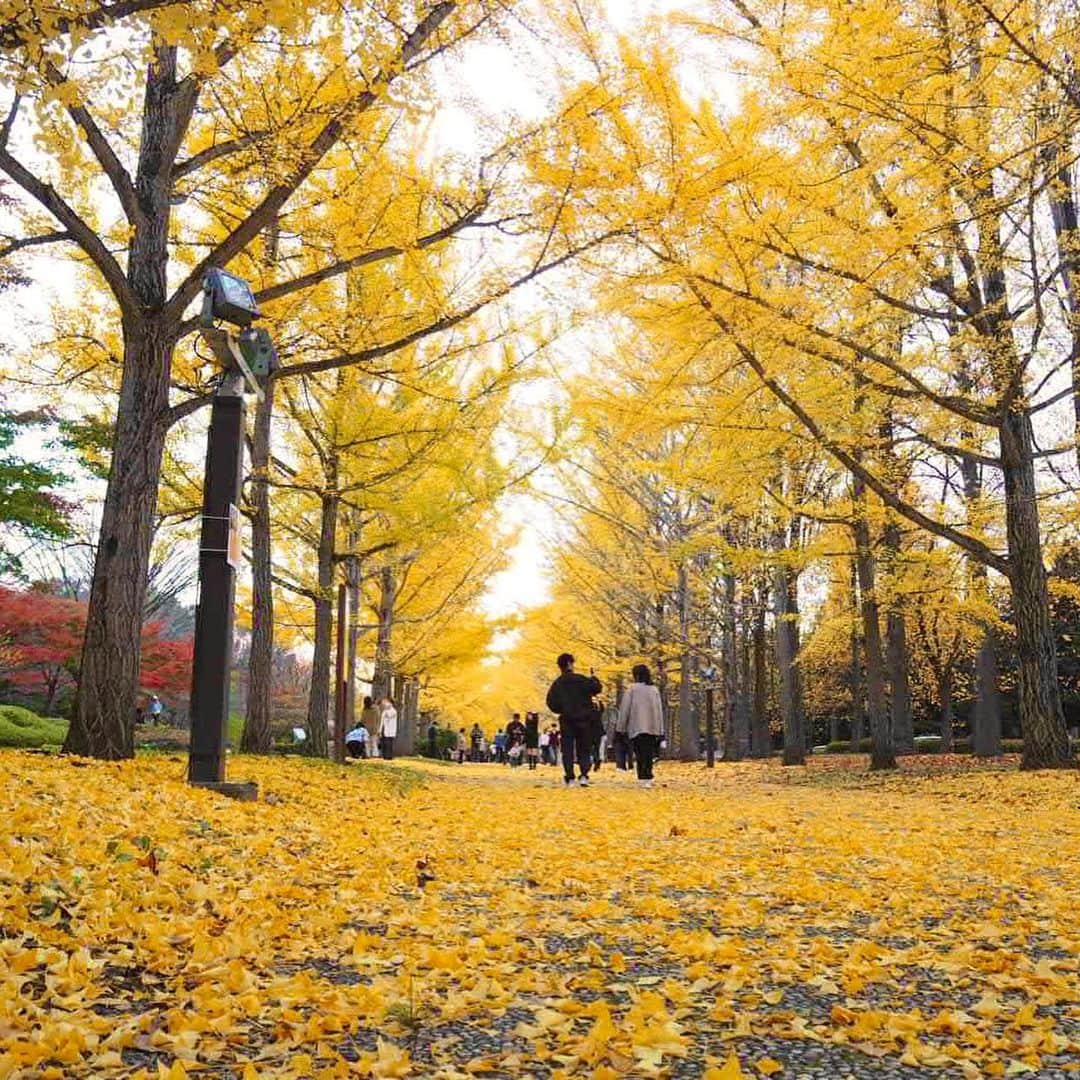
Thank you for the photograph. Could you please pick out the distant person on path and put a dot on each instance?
(500, 746)
(356, 742)
(553, 745)
(155, 709)
(596, 734)
(515, 731)
(462, 746)
(433, 739)
(570, 698)
(641, 717)
(369, 717)
(532, 739)
(387, 727)
(476, 738)
(545, 743)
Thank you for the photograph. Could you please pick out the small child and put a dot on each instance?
(462, 746)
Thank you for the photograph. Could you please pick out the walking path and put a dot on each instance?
(395, 920)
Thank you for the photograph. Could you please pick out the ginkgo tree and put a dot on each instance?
(862, 241)
(157, 161)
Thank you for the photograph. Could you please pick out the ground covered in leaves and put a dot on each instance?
(377, 920)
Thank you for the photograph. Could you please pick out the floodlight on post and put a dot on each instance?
(247, 359)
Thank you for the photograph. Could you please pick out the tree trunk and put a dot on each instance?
(897, 655)
(855, 674)
(256, 737)
(103, 722)
(744, 679)
(736, 703)
(986, 722)
(896, 652)
(660, 612)
(382, 679)
(1059, 166)
(761, 741)
(104, 717)
(319, 699)
(986, 717)
(882, 755)
(945, 707)
(352, 581)
(688, 741)
(1046, 740)
(787, 659)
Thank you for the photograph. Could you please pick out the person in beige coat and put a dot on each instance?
(641, 717)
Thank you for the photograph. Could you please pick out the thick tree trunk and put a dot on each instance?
(787, 658)
(103, 722)
(882, 755)
(855, 672)
(318, 716)
(382, 679)
(256, 737)
(1046, 740)
(761, 742)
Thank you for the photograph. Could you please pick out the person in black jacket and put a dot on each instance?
(570, 698)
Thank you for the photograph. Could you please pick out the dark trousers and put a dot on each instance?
(386, 746)
(576, 742)
(356, 749)
(623, 753)
(645, 747)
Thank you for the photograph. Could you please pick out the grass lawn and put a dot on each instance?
(405, 919)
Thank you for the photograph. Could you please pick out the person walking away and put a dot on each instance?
(500, 746)
(462, 746)
(641, 717)
(433, 739)
(476, 737)
(570, 698)
(532, 739)
(387, 728)
(356, 742)
(545, 741)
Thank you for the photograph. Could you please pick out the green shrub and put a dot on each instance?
(22, 728)
(843, 746)
(445, 741)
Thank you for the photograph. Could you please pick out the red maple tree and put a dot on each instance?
(41, 641)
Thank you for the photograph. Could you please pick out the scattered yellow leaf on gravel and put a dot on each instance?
(730, 1070)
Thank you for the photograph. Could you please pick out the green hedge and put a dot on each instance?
(22, 728)
(927, 744)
